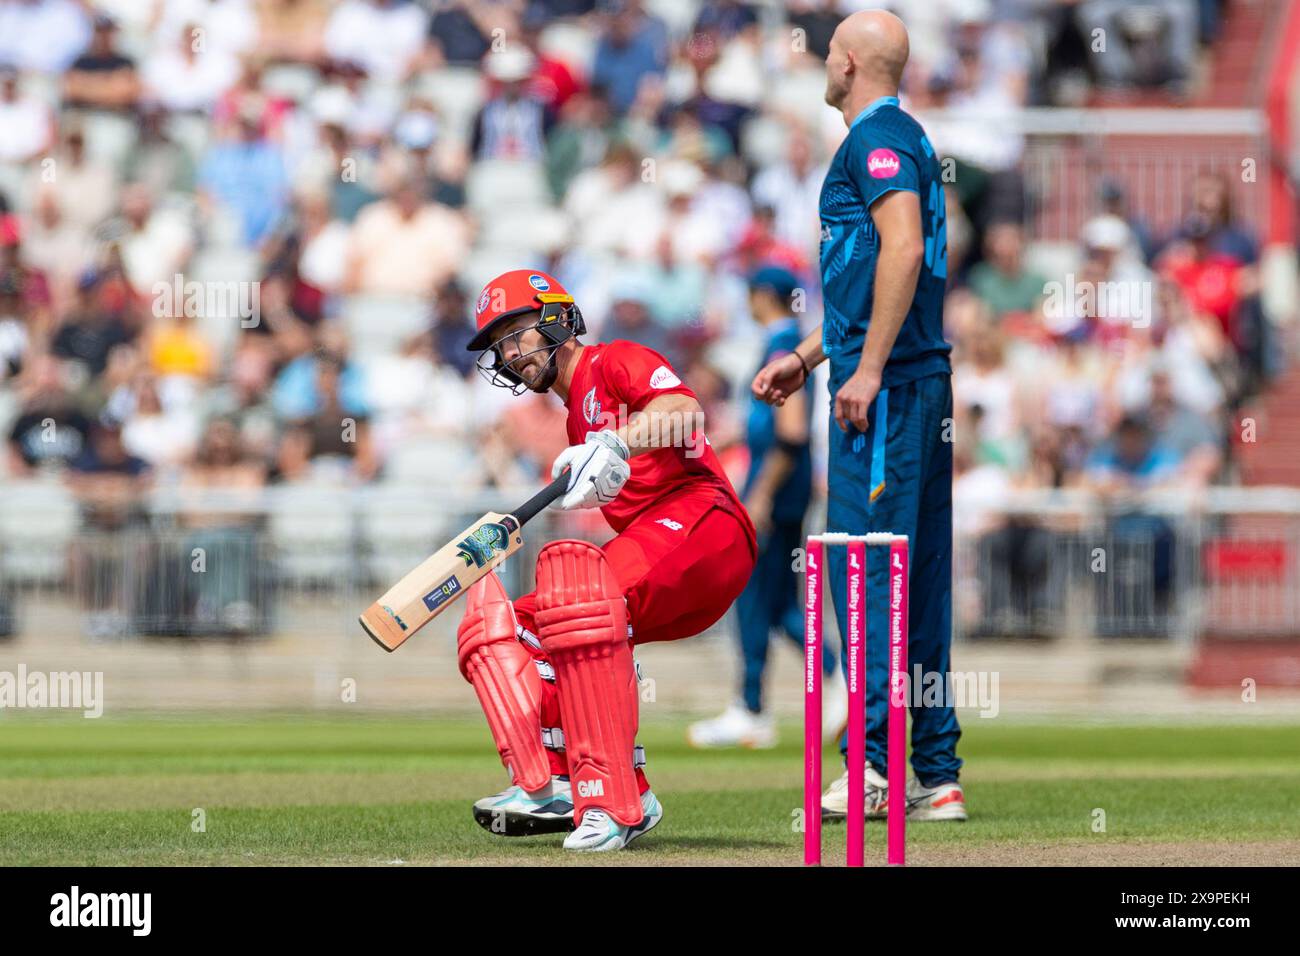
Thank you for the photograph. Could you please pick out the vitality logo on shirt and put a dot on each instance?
(883, 163)
(663, 377)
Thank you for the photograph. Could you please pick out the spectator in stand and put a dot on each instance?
(227, 25)
(1195, 439)
(413, 151)
(333, 441)
(760, 244)
(1114, 202)
(89, 331)
(818, 20)
(161, 436)
(452, 327)
(86, 186)
(553, 82)
(44, 36)
(295, 393)
(26, 124)
(176, 349)
(633, 45)
(14, 338)
(54, 245)
(1110, 259)
(50, 430)
(223, 464)
(102, 79)
(630, 318)
(1152, 43)
(1212, 199)
(405, 245)
(384, 36)
(21, 278)
(513, 123)
(162, 165)
(248, 101)
(726, 19)
(292, 31)
(792, 188)
(244, 400)
(1209, 279)
(1131, 460)
(1003, 281)
(578, 141)
(188, 76)
(978, 136)
(986, 393)
(611, 203)
(458, 34)
(245, 175)
(694, 233)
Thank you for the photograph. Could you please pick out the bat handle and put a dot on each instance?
(529, 509)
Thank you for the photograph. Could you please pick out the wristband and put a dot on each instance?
(807, 374)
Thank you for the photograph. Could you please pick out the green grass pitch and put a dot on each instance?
(286, 789)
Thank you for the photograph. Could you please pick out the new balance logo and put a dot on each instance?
(670, 523)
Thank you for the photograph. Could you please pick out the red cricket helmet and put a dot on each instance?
(508, 296)
(524, 290)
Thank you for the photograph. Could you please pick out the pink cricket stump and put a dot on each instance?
(857, 741)
(812, 706)
(895, 854)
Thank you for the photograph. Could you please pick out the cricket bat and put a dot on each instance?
(432, 587)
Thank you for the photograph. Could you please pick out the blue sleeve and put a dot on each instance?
(879, 163)
(782, 342)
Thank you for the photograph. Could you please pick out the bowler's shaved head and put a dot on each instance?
(868, 53)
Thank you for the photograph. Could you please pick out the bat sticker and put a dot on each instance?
(393, 615)
(483, 544)
(440, 595)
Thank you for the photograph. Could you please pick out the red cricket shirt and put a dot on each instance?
(612, 382)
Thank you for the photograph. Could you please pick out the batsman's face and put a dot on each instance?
(526, 352)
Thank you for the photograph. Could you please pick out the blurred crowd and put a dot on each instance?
(348, 173)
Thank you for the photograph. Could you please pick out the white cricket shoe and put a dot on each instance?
(516, 812)
(944, 802)
(736, 726)
(598, 831)
(835, 801)
(835, 705)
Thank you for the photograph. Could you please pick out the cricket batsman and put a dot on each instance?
(883, 267)
(554, 669)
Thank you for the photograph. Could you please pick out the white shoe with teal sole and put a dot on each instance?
(598, 831)
(516, 812)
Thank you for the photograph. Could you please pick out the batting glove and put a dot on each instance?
(598, 470)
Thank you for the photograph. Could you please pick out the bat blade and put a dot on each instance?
(440, 579)
(452, 570)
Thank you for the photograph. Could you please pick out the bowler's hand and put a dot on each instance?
(779, 379)
(854, 398)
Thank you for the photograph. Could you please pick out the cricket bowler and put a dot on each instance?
(883, 268)
(553, 669)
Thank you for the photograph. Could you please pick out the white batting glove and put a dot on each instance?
(598, 470)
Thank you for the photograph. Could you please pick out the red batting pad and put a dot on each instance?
(582, 624)
(506, 681)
